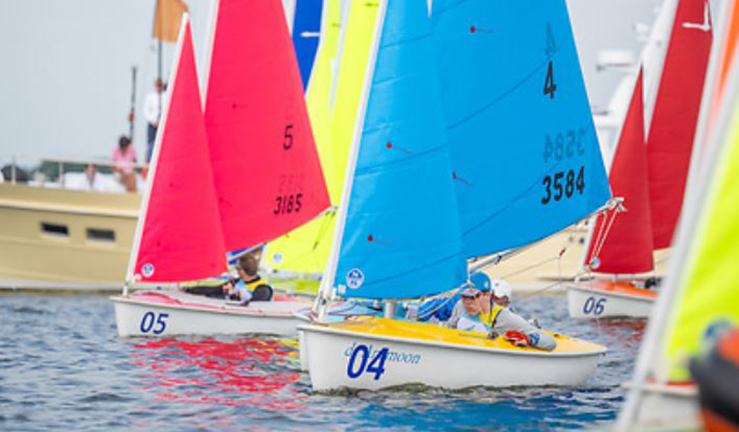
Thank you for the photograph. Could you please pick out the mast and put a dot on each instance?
(146, 199)
(329, 276)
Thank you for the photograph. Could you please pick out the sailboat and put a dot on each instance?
(651, 178)
(249, 166)
(439, 177)
(700, 299)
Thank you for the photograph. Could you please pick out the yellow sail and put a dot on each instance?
(306, 249)
(709, 299)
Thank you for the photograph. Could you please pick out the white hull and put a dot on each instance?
(303, 352)
(330, 353)
(668, 408)
(584, 302)
(135, 316)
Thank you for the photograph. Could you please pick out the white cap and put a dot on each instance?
(501, 288)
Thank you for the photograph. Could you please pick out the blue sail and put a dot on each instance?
(525, 156)
(306, 31)
(402, 236)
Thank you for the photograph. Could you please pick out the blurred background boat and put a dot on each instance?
(59, 233)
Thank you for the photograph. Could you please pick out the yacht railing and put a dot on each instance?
(61, 162)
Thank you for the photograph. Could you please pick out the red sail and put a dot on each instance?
(181, 238)
(672, 130)
(266, 168)
(627, 245)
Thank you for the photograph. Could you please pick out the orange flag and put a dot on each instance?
(167, 19)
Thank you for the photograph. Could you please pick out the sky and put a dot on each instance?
(65, 74)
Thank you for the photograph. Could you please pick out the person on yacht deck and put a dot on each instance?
(484, 316)
(124, 163)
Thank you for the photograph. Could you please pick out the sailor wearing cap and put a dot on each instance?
(479, 313)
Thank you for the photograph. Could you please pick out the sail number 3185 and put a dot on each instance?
(288, 204)
(563, 185)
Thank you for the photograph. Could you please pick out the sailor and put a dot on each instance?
(249, 286)
(501, 292)
(478, 280)
(483, 316)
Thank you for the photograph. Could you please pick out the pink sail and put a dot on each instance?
(181, 239)
(670, 140)
(627, 248)
(266, 169)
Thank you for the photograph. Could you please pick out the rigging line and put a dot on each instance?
(599, 239)
(449, 296)
(616, 211)
(525, 269)
(550, 286)
(615, 204)
(323, 229)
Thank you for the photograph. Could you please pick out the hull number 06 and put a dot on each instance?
(593, 306)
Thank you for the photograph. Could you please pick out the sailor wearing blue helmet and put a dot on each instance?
(478, 312)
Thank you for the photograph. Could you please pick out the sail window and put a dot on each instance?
(54, 229)
(97, 234)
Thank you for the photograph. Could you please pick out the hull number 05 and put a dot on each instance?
(154, 323)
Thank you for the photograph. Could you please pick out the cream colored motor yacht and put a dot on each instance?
(52, 237)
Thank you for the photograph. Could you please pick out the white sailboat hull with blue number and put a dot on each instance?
(162, 313)
(347, 356)
(601, 299)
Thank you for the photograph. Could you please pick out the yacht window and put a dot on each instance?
(97, 234)
(54, 229)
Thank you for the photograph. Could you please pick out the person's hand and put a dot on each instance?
(517, 338)
(228, 288)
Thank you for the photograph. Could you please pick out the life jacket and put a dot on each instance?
(260, 290)
(490, 318)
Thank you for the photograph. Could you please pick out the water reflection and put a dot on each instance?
(229, 373)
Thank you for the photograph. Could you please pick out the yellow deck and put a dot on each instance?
(435, 334)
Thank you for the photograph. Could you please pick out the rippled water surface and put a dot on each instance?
(62, 366)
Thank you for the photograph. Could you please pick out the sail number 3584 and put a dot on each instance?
(563, 185)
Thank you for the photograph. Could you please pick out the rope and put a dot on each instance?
(602, 235)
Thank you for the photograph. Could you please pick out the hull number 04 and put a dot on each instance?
(359, 359)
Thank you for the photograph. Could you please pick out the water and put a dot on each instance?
(62, 366)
